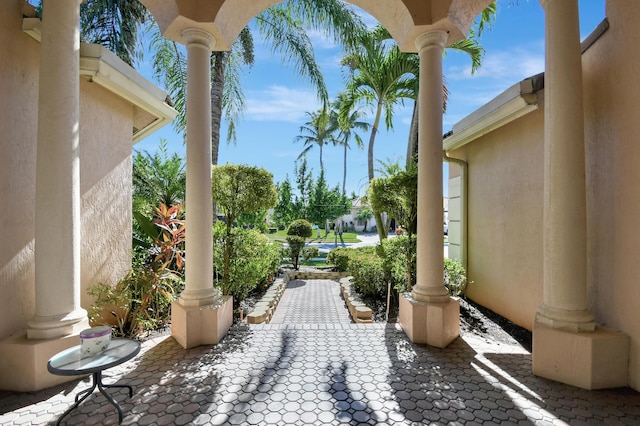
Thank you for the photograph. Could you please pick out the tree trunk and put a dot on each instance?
(412, 145)
(409, 262)
(220, 60)
(227, 260)
(381, 226)
(344, 173)
(372, 139)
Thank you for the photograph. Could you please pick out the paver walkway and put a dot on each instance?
(311, 302)
(334, 372)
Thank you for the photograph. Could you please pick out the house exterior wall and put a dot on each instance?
(505, 195)
(504, 205)
(105, 185)
(611, 68)
(18, 119)
(105, 173)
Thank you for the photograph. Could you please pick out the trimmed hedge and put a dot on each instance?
(367, 265)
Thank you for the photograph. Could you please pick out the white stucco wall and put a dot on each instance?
(105, 173)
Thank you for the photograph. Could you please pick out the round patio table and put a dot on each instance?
(71, 362)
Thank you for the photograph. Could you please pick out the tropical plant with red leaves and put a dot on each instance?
(167, 231)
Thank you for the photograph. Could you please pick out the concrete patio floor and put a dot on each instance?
(312, 366)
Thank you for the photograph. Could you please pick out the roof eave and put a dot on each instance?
(101, 66)
(515, 102)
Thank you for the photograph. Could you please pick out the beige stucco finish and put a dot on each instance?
(107, 125)
(611, 69)
(505, 222)
(405, 19)
(504, 203)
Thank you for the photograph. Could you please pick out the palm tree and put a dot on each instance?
(319, 130)
(380, 76)
(111, 23)
(471, 46)
(286, 27)
(389, 167)
(170, 67)
(347, 127)
(158, 178)
(383, 76)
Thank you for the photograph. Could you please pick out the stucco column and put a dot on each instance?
(57, 219)
(429, 315)
(565, 230)
(199, 290)
(430, 276)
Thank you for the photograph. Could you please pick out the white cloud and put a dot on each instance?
(511, 65)
(279, 103)
(319, 40)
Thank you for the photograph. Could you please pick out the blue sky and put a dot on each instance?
(277, 99)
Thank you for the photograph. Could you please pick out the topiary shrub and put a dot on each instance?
(301, 228)
(298, 230)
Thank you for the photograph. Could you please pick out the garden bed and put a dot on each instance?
(474, 319)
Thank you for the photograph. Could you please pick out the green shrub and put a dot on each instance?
(139, 302)
(254, 258)
(339, 258)
(368, 266)
(310, 252)
(455, 279)
(397, 253)
(367, 269)
(301, 228)
(298, 230)
(296, 244)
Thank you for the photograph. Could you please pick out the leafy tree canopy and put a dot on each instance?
(238, 189)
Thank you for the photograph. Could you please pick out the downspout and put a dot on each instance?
(463, 205)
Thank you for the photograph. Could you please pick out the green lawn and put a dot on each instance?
(347, 237)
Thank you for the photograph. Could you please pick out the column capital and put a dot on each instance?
(546, 3)
(432, 38)
(198, 36)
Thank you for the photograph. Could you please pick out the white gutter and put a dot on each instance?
(101, 66)
(515, 102)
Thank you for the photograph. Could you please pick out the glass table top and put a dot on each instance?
(71, 362)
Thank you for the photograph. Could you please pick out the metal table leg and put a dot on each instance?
(97, 382)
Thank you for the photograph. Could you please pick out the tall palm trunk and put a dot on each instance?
(381, 227)
(344, 173)
(412, 145)
(220, 60)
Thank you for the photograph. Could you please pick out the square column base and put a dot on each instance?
(588, 360)
(435, 324)
(193, 326)
(23, 362)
